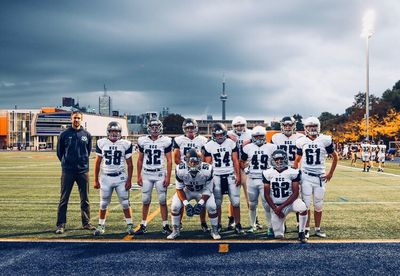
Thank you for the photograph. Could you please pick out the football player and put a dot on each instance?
(281, 191)
(353, 150)
(366, 154)
(222, 153)
(242, 136)
(374, 148)
(312, 151)
(111, 154)
(194, 180)
(153, 148)
(381, 155)
(256, 157)
(183, 143)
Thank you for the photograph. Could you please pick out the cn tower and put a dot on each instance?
(223, 98)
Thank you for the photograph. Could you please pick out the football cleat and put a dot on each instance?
(175, 232)
(204, 227)
(166, 229)
(130, 229)
(214, 233)
(320, 233)
(231, 223)
(307, 234)
(279, 236)
(239, 229)
(252, 229)
(258, 224)
(141, 230)
(99, 230)
(219, 228)
(302, 237)
(270, 233)
(60, 229)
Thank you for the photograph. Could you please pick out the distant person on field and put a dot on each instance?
(73, 150)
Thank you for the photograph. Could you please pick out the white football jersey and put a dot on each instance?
(365, 149)
(113, 154)
(154, 151)
(259, 158)
(382, 150)
(373, 150)
(184, 144)
(313, 153)
(221, 155)
(281, 183)
(202, 182)
(240, 139)
(287, 144)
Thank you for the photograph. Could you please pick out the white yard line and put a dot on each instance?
(375, 172)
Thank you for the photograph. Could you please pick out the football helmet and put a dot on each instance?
(312, 126)
(279, 159)
(380, 142)
(258, 135)
(114, 130)
(193, 161)
(190, 126)
(218, 129)
(239, 124)
(155, 127)
(288, 125)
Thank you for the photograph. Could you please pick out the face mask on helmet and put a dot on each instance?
(193, 162)
(155, 128)
(279, 160)
(114, 130)
(239, 125)
(258, 136)
(312, 126)
(190, 127)
(219, 134)
(288, 126)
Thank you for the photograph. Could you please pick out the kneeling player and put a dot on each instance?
(193, 181)
(281, 190)
(111, 152)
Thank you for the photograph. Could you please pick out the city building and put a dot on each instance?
(105, 104)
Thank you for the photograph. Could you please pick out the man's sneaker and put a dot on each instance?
(219, 228)
(320, 233)
(214, 233)
(239, 229)
(166, 229)
(175, 232)
(60, 229)
(204, 227)
(141, 230)
(307, 234)
(252, 229)
(231, 223)
(88, 227)
(302, 237)
(258, 224)
(270, 233)
(130, 229)
(99, 230)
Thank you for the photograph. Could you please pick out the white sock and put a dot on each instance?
(128, 220)
(317, 228)
(165, 222)
(176, 220)
(302, 223)
(252, 216)
(144, 222)
(214, 221)
(102, 221)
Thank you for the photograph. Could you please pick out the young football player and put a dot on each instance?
(242, 136)
(194, 180)
(353, 150)
(312, 151)
(153, 148)
(256, 157)
(222, 153)
(183, 143)
(381, 155)
(281, 191)
(366, 155)
(112, 153)
(374, 149)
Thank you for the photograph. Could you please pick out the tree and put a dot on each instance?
(392, 97)
(299, 124)
(173, 124)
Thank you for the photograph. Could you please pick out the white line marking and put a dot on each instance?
(358, 169)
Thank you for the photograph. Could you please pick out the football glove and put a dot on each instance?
(189, 210)
(197, 209)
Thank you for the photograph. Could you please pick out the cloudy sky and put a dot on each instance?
(278, 57)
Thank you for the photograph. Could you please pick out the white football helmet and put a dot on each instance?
(239, 124)
(155, 127)
(312, 126)
(288, 125)
(114, 130)
(256, 132)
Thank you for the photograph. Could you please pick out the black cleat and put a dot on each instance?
(219, 228)
(302, 237)
(239, 229)
(231, 224)
(204, 227)
(166, 229)
(141, 230)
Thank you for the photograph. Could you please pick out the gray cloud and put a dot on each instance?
(279, 58)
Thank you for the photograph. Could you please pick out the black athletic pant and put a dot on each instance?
(67, 183)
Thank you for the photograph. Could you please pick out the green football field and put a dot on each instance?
(360, 206)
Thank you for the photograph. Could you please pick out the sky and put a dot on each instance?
(278, 57)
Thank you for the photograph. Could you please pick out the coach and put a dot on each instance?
(73, 150)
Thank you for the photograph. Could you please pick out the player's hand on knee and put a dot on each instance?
(96, 184)
(197, 209)
(189, 210)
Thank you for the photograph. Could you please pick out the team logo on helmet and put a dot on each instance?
(154, 127)
(279, 160)
(312, 126)
(258, 135)
(239, 125)
(219, 133)
(288, 125)
(114, 131)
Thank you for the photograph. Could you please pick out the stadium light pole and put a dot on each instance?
(368, 23)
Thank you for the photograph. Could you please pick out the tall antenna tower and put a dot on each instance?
(223, 98)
